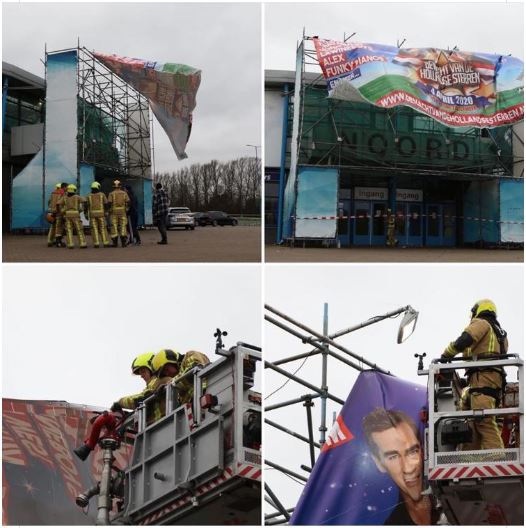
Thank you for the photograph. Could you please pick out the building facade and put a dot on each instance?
(23, 98)
(446, 186)
(94, 127)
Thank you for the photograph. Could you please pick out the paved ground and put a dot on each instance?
(287, 254)
(204, 244)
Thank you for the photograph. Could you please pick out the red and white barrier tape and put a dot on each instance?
(413, 216)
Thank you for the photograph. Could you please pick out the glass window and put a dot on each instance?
(415, 220)
(400, 220)
(379, 219)
(433, 221)
(362, 221)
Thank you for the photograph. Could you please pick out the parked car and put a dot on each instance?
(201, 219)
(221, 218)
(180, 217)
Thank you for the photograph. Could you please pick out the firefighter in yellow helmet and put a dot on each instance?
(142, 366)
(173, 364)
(119, 205)
(483, 337)
(54, 217)
(97, 203)
(71, 205)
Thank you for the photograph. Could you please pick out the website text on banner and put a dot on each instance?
(458, 89)
(170, 89)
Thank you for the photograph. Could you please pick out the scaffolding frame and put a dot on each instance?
(117, 104)
(491, 159)
(324, 344)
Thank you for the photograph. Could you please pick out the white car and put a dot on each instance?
(180, 217)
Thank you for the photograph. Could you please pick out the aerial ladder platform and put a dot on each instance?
(200, 464)
(474, 487)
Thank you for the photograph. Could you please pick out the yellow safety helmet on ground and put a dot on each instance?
(72, 188)
(143, 360)
(95, 185)
(484, 305)
(58, 185)
(117, 183)
(164, 357)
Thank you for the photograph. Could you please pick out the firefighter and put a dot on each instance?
(391, 240)
(171, 363)
(70, 206)
(119, 205)
(54, 215)
(142, 366)
(482, 337)
(96, 213)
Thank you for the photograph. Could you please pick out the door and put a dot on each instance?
(362, 223)
(379, 223)
(414, 224)
(440, 225)
(370, 223)
(344, 222)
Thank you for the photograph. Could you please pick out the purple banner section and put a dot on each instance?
(370, 470)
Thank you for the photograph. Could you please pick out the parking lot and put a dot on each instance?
(204, 244)
(287, 254)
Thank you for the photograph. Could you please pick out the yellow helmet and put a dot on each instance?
(117, 183)
(164, 357)
(72, 188)
(484, 305)
(95, 185)
(58, 185)
(142, 360)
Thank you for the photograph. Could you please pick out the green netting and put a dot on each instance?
(354, 133)
(101, 137)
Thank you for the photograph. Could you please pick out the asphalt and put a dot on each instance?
(204, 244)
(383, 254)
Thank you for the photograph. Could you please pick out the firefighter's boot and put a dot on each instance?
(115, 241)
(124, 241)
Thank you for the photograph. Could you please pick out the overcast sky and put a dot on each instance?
(442, 294)
(71, 332)
(223, 40)
(484, 27)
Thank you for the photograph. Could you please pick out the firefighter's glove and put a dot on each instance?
(116, 407)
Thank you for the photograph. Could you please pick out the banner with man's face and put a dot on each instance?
(370, 470)
(458, 89)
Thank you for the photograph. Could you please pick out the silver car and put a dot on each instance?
(180, 217)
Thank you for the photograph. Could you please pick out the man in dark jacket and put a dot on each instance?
(160, 204)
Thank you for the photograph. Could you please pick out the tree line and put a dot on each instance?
(233, 186)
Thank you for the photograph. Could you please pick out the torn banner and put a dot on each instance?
(347, 486)
(40, 474)
(458, 89)
(170, 89)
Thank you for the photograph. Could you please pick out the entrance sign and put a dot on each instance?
(371, 193)
(409, 195)
(458, 89)
(170, 89)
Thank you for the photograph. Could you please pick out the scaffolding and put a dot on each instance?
(325, 345)
(396, 148)
(113, 121)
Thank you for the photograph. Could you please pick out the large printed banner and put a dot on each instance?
(41, 476)
(170, 88)
(458, 89)
(370, 470)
